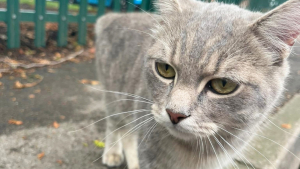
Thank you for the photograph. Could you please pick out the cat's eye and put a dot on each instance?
(223, 86)
(165, 70)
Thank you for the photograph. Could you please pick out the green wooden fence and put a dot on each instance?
(12, 16)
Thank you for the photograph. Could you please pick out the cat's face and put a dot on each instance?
(210, 68)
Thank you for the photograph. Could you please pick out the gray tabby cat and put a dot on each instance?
(209, 69)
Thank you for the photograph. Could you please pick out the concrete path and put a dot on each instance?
(63, 95)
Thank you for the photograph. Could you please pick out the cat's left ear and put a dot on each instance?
(279, 28)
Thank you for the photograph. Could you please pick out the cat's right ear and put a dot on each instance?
(278, 29)
(166, 7)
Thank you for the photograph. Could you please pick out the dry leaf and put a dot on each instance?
(41, 155)
(57, 55)
(11, 78)
(21, 51)
(62, 117)
(92, 50)
(1, 75)
(16, 122)
(37, 91)
(19, 85)
(1, 83)
(55, 125)
(13, 99)
(23, 75)
(94, 82)
(59, 162)
(31, 96)
(84, 81)
(51, 71)
(286, 126)
(42, 54)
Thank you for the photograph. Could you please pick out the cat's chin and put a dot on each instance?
(187, 136)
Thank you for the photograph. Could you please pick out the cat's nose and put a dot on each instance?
(175, 117)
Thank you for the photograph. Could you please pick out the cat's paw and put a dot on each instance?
(112, 159)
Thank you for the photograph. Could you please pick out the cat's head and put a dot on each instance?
(218, 66)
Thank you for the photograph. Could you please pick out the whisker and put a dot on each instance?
(146, 135)
(234, 149)
(125, 126)
(121, 93)
(214, 151)
(269, 140)
(126, 134)
(138, 111)
(151, 131)
(225, 151)
(249, 145)
(279, 127)
(128, 100)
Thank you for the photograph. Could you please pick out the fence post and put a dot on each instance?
(145, 5)
(63, 23)
(117, 5)
(13, 27)
(101, 7)
(40, 11)
(82, 26)
(130, 6)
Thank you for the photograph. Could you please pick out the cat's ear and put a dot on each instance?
(171, 6)
(279, 28)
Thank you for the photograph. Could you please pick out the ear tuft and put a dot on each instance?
(279, 27)
(170, 6)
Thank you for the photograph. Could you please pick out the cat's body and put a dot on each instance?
(201, 42)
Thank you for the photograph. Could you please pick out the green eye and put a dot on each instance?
(165, 70)
(223, 86)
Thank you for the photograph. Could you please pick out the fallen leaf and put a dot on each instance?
(59, 162)
(41, 155)
(42, 54)
(57, 55)
(55, 124)
(31, 96)
(99, 144)
(94, 82)
(38, 76)
(18, 85)
(1, 83)
(37, 91)
(1, 75)
(23, 75)
(84, 81)
(11, 78)
(16, 122)
(62, 117)
(21, 51)
(92, 50)
(51, 71)
(13, 99)
(74, 60)
(286, 126)
(85, 144)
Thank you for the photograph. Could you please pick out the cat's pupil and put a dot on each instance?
(224, 82)
(167, 67)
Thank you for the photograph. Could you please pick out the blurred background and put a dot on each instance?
(48, 81)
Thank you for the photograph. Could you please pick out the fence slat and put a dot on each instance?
(130, 6)
(63, 23)
(13, 28)
(40, 11)
(117, 5)
(145, 5)
(101, 8)
(82, 27)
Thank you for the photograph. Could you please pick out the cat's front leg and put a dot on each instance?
(113, 152)
(130, 147)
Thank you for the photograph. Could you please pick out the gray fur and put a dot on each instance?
(201, 41)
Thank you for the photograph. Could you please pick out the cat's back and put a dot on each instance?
(120, 41)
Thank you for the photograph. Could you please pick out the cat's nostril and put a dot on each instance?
(175, 117)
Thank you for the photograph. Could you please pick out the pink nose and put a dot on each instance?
(176, 117)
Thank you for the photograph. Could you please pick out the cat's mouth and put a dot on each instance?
(187, 132)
